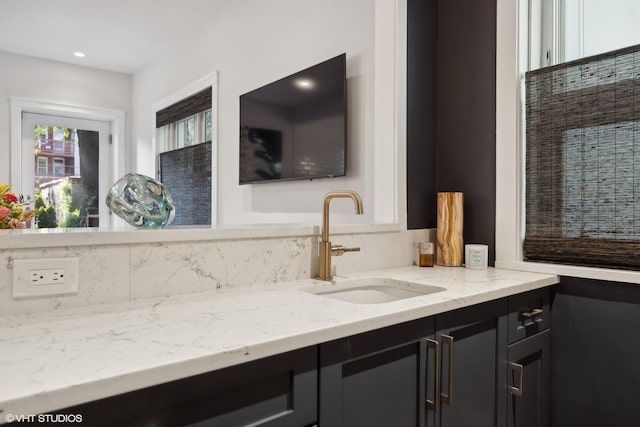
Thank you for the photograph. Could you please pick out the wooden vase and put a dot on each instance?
(449, 235)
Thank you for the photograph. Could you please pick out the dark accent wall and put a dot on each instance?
(422, 39)
(467, 112)
(595, 354)
(463, 156)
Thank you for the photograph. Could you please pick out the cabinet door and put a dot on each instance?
(528, 381)
(377, 378)
(473, 344)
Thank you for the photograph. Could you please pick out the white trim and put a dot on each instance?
(21, 105)
(508, 177)
(607, 274)
(387, 99)
(210, 79)
(400, 125)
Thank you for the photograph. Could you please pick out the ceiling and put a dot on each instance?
(115, 35)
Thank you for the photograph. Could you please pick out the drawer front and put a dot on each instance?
(529, 313)
(278, 391)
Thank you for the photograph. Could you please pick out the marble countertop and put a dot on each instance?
(61, 358)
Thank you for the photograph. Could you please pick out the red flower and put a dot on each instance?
(11, 197)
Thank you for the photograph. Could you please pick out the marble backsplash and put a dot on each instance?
(116, 273)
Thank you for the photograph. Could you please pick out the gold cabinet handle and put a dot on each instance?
(448, 398)
(517, 391)
(533, 313)
(433, 404)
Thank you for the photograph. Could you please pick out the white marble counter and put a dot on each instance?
(56, 359)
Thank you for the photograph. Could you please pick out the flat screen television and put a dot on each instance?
(295, 128)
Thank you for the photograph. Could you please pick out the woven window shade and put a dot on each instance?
(583, 162)
(186, 172)
(194, 104)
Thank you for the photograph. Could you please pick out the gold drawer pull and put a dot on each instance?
(517, 391)
(433, 404)
(448, 398)
(533, 313)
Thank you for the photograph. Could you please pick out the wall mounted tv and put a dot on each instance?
(295, 128)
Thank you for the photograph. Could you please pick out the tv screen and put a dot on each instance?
(295, 128)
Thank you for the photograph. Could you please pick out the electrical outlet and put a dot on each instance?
(40, 277)
(53, 276)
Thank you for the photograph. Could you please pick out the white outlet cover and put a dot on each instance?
(21, 272)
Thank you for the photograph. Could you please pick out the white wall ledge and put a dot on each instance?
(49, 238)
(606, 274)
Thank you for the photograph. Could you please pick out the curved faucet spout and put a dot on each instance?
(326, 250)
(345, 194)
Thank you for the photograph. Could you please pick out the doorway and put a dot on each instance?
(66, 165)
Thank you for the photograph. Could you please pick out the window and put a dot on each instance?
(592, 27)
(582, 133)
(43, 170)
(58, 167)
(185, 123)
(184, 146)
(207, 125)
(192, 130)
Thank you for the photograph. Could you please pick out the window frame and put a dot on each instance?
(209, 80)
(510, 160)
(39, 165)
(56, 162)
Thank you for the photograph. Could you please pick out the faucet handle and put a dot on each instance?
(338, 250)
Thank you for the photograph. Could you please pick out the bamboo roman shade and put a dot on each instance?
(194, 104)
(583, 162)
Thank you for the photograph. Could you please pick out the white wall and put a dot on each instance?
(255, 42)
(39, 79)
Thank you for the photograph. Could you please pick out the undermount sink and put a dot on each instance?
(375, 290)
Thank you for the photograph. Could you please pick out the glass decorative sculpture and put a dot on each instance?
(141, 201)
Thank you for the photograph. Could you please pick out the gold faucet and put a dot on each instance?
(326, 250)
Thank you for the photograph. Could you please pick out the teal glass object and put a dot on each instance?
(141, 201)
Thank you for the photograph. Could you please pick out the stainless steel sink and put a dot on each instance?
(375, 290)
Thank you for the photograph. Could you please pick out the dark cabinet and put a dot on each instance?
(278, 391)
(528, 381)
(529, 367)
(377, 378)
(485, 365)
(529, 313)
(473, 353)
(407, 375)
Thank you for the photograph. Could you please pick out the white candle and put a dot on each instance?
(476, 256)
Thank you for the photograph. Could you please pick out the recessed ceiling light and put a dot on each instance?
(79, 54)
(304, 83)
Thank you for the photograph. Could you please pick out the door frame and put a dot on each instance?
(116, 118)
